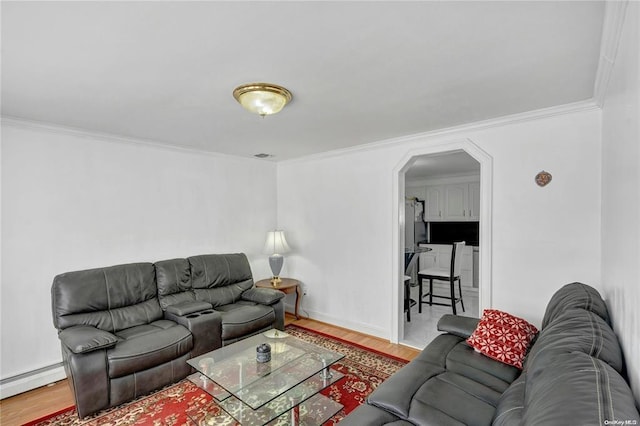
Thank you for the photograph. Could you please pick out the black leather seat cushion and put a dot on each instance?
(463, 360)
(147, 346)
(448, 383)
(450, 398)
(242, 318)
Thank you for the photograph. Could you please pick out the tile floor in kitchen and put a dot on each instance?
(422, 328)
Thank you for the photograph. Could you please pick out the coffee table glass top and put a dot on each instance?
(236, 372)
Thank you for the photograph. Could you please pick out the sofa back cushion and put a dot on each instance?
(578, 296)
(220, 279)
(576, 330)
(577, 389)
(111, 299)
(174, 282)
(219, 270)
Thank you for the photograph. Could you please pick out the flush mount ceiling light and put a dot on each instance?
(262, 98)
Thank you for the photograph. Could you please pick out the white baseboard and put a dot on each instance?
(31, 380)
(355, 326)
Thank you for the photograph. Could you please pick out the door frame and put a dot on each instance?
(485, 263)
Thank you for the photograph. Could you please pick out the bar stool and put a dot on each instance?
(451, 274)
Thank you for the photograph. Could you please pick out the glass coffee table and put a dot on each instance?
(282, 391)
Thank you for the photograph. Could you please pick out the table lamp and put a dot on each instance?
(277, 245)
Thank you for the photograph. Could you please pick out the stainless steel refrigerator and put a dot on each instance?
(415, 229)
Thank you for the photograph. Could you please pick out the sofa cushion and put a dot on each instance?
(575, 296)
(174, 282)
(511, 405)
(579, 389)
(242, 319)
(369, 415)
(220, 296)
(220, 279)
(111, 299)
(147, 346)
(219, 270)
(449, 398)
(464, 360)
(503, 337)
(576, 330)
(398, 391)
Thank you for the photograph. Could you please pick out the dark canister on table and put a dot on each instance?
(263, 353)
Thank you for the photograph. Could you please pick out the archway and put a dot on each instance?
(486, 243)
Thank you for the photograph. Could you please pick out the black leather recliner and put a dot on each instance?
(573, 373)
(121, 340)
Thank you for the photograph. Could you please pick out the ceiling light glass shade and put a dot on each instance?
(276, 243)
(262, 98)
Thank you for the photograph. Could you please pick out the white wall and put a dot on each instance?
(337, 211)
(72, 201)
(621, 194)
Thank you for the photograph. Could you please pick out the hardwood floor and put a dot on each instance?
(37, 403)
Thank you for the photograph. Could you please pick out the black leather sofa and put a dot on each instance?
(127, 330)
(573, 374)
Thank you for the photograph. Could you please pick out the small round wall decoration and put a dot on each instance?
(543, 178)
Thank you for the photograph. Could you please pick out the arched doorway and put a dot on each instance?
(486, 243)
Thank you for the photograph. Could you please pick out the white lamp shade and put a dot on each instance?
(276, 243)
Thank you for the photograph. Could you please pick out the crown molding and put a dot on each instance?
(106, 137)
(543, 113)
(534, 115)
(614, 14)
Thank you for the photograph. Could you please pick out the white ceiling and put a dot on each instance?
(360, 72)
(440, 165)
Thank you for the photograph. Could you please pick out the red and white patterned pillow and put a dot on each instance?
(503, 337)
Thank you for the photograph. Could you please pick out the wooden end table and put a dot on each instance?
(287, 286)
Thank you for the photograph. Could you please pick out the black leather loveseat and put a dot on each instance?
(573, 374)
(127, 330)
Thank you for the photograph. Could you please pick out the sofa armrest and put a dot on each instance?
(83, 338)
(457, 325)
(263, 296)
(88, 376)
(186, 308)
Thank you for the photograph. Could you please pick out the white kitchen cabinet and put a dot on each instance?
(434, 203)
(457, 202)
(474, 201)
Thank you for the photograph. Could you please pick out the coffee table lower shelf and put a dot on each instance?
(301, 405)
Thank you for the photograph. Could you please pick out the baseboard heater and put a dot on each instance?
(24, 382)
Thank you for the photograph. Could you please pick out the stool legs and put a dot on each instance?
(452, 291)
(420, 295)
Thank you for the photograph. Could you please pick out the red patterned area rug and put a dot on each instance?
(364, 369)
